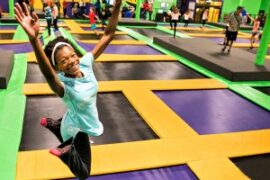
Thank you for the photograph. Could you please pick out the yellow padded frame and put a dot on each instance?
(10, 41)
(31, 58)
(246, 45)
(118, 42)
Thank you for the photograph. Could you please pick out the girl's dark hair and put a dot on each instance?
(49, 47)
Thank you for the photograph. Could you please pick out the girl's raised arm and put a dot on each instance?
(31, 27)
(109, 31)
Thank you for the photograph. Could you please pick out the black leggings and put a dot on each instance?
(49, 22)
(186, 23)
(55, 24)
(173, 24)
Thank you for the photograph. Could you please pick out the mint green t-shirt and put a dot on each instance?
(80, 99)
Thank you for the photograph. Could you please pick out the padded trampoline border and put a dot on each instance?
(255, 98)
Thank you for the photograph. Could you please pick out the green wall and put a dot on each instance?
(229, 6)
(265, 4)
(252, 6)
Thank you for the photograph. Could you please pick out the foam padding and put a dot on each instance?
(135, 57)
(3, 31)
(246, 45)
(111, 86)
(221, 168)
(236, 66)
(6, 66)
(150, 154)
(10, 41)
(118, 42)
(73, 26)
(31, 58)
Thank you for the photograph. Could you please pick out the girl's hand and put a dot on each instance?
(29, 24)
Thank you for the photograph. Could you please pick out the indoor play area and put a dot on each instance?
(173, 104)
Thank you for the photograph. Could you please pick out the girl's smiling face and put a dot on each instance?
(68, 62)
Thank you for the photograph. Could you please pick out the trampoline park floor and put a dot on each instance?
(162, 119)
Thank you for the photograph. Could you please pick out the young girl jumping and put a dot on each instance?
(73, 80)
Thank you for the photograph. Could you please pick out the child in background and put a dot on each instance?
(255, 29)
(92, 18)
(73, 80)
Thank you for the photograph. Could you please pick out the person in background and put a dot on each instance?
(48, 17)
(244, 16)
(75, 10)
(82, 6)
(175, 14)
(186, 18)
(65, 5)
(205, 17)
(145, 9)
(104, 17)
(55, 14)
(234, 20)
(92, 19)
(255, 30)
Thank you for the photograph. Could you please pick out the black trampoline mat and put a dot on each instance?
(127, 71)
(143, 71)
(33, 74)
(6, 35)
(150, 32)
(202, 32)
(265, 90)
(255, 167)
(94, 37)
(121, 122)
